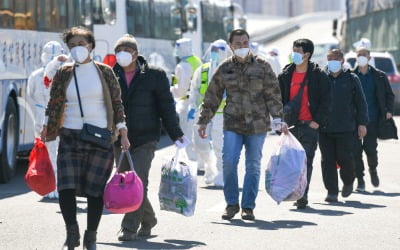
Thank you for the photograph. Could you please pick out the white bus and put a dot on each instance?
(26, 25)
(157, 24)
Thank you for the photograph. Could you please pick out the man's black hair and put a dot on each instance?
(306, 44)
(238, 32)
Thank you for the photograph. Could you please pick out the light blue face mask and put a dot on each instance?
(297, 58)
(214, 56)
(334, 66)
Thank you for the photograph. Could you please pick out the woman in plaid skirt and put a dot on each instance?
(83, 167)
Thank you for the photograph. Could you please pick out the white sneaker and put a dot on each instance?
(52, 195)
(55, 195)
(218, 184)
(209, 179)
(219, 180)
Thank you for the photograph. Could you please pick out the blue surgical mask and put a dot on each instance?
(297, 58)
(214, 56)
(334, 66)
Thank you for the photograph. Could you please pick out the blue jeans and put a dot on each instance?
(233, 143)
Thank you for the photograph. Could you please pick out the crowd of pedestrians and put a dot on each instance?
(220, 106)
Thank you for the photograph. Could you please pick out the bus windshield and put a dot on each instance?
(55, 15)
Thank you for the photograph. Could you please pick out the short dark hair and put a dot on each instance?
(79, 31)
(238, 32)
(337, 52)
(306, 44)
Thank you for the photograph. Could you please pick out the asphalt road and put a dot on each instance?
(368, 220)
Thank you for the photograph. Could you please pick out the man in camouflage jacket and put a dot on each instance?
(252, 94)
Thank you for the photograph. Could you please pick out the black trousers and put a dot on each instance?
(337, 148)
(369, 145)
(308, 138)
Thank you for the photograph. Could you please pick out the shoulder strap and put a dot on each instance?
(304, 83)
(77, 91)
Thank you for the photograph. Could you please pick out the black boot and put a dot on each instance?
(89, 240)
(73, 237)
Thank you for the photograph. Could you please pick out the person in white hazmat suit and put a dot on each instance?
(273, 60)
(180, 87)
(38, 89)
(218, 52)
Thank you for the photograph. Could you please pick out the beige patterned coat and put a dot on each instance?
(56, 105)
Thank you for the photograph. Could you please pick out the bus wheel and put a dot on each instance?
(9, 142)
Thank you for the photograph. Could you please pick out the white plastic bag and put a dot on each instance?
(286, 173)
(178, 186)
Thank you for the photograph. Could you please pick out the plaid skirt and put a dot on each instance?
(82, 166)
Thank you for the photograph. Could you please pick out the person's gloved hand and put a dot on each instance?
(276, 124)
(182, 142)
(190, 115)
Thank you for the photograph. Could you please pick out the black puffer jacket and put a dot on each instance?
(318, 91)
(148, 102)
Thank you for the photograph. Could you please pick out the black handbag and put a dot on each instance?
(387, 129)
(98, 136)
(291, 109)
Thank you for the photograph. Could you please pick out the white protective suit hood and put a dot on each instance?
(222, 48)
(363, 42)
(51, 50)
(222, 54)
(183, 47)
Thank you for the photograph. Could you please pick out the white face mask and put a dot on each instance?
(362, 61)
(242, 53)
(124, 58)
(79, 53)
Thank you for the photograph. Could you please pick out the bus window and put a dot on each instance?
(31, 15)
(138, 18)
(162, 20)
(6, 14)
(45, 15)
(74, 13)
(212, 16)
(54, 16)
(108, 10)
(86, 13)
(60, 11)
(19, 16)
(97, 13)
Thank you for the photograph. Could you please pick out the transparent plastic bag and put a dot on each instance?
(178, 186)
(286, 173)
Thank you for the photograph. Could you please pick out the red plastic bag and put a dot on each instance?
(40, 175)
